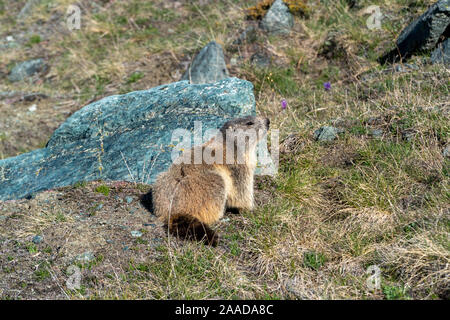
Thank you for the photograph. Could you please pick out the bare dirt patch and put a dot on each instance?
(108, 231)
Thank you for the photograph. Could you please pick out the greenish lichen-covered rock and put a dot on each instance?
(26, 69)
(278, 20)
(326, 133)
(124, 137)
(208, 66)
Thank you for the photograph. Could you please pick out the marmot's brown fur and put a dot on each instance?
(189, 197)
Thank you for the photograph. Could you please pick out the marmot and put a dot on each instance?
(189, 197)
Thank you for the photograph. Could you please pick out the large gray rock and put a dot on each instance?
(208, 66)
(423, 33)
(278, 20)
(26, 69)
(124, 137)
(442, 53)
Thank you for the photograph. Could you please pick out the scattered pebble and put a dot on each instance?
(326, 133)
(408, 135)
(404, 67)
(26, 69)
(149, 225)
(85, 257)
(129, 199)
(446, 152)
(376, 132)
(32, 108)
(260, 59)
(37, 239)
(136, 234)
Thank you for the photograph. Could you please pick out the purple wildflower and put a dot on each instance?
(327, 85)
(283, 104)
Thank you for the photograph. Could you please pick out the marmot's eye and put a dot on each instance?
(250, 123)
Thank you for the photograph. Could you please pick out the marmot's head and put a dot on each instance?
(247, 125)
(242, 136)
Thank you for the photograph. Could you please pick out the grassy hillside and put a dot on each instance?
(377, 195)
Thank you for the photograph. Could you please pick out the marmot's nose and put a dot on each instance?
(267, 123)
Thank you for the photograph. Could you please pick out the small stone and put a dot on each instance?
(278, 20)
(408, 135)
(208, 66)
(8, 42)
(149, 225)
(374, 121)
(109, 241)
(129, 199)
(99, 206)
(26, 69)
(404, 67)
(446, 152)
(326, 133)
(136, 234)
(32, 108)
(37, 239)
(85, 257)
(260, 60)
(411, 66)
(376, 132)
